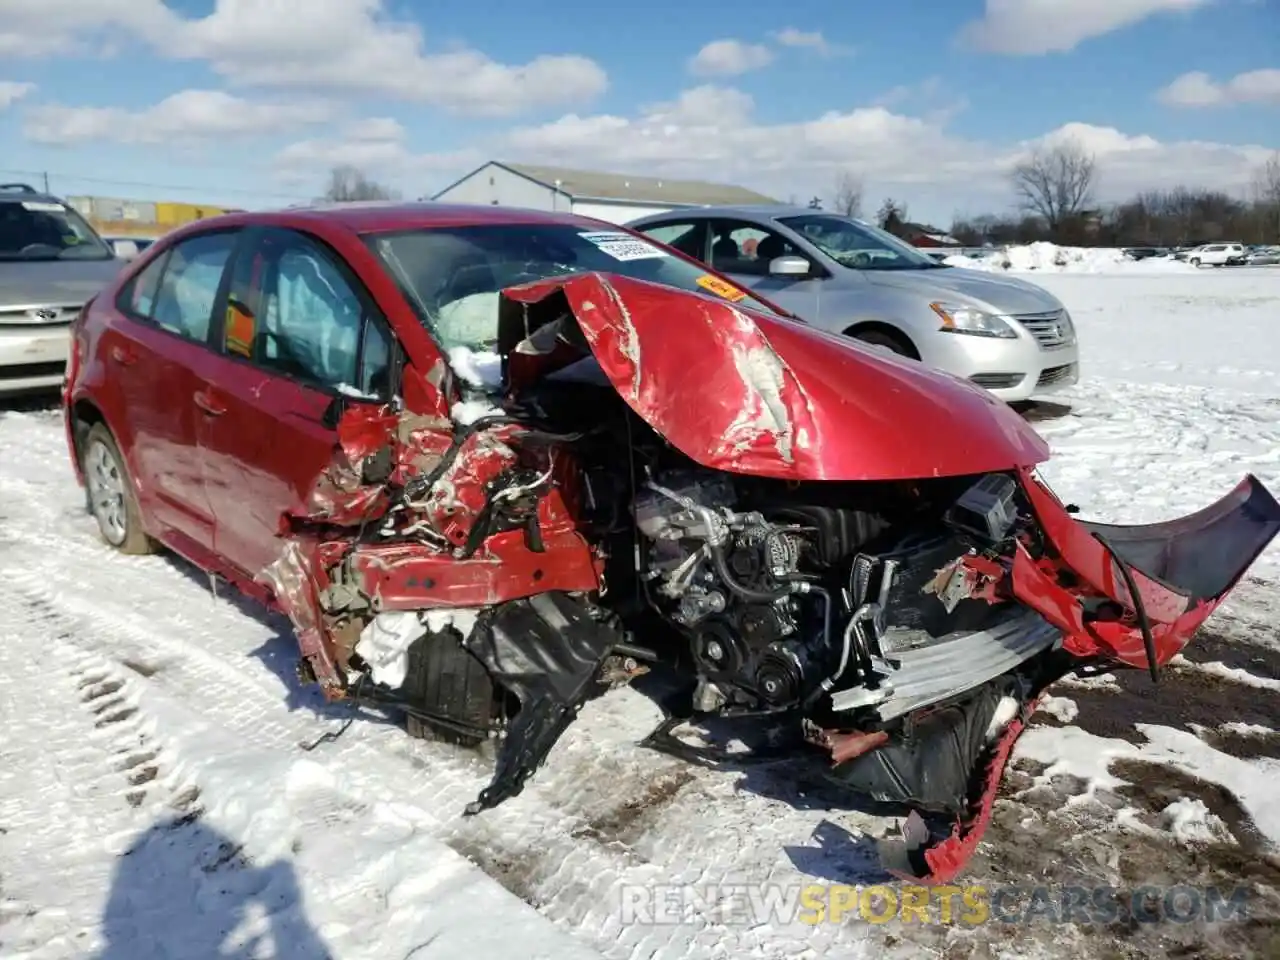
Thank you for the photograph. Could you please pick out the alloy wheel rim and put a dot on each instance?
(106, 493)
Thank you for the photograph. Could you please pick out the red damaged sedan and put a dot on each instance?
(492, 463)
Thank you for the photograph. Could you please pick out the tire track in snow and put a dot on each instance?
(544, 845)
(393, 887)
(77, 794)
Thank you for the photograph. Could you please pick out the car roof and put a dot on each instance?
(747, 211)
(24, 192)
(383, 216)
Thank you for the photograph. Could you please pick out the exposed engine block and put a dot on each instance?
(782, 603)
(687, 524)
(732, 581)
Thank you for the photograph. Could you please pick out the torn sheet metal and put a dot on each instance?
(295, 580)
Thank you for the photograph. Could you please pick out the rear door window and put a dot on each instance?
(183, 302)
(687, 236)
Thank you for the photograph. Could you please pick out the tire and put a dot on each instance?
(891, 342)
(444, 678)
(1195, 262)
(112, 501)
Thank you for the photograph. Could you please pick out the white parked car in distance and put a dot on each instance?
(1217, 255)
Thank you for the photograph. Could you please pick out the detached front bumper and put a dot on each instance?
(1136, 594)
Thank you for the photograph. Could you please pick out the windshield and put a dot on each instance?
(45, 230)
(858, 245)
(453, 275)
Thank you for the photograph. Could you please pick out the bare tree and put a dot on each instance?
(1266, 191)
(891, 215)
(848, 195)
(1056, 184)
(348, 184)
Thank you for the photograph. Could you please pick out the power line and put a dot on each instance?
(140, 184)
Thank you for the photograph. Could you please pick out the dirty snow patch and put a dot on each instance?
(1191, 822)
(1071, 751)
(1246, 729)
(1101, 681)
(1233, 674)
(1060, 708)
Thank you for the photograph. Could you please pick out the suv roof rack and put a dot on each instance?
(18, 187)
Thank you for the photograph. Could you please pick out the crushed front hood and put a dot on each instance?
(747, 393)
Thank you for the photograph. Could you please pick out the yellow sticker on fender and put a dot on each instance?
(720, 288)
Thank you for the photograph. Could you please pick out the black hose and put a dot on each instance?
(635, 652)
(747, 593)
(826, 613)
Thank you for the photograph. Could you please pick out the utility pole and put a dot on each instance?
(46, 182)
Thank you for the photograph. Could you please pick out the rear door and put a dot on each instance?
(298, 331)
(154, 351)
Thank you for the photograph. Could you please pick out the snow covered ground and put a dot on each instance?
(157, 798)
(1043, 257)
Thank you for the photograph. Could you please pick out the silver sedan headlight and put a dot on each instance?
(1068, 328)
(957, 318)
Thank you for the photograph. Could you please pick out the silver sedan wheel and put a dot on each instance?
(106, 481)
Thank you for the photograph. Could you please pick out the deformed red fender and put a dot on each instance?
(747, 393)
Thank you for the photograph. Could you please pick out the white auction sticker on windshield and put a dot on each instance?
(42, 207)
(622, 246)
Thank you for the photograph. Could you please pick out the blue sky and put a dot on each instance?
(249, 102)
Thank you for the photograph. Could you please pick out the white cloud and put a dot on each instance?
(937, 101)
(808, 40)
(710, 132)
(1030, 27)
(1197, 89)
(349, 46)
(185, 117)
(11, 92)
(726, 58)
(376, 145)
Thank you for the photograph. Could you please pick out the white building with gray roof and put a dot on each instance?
(614, 197)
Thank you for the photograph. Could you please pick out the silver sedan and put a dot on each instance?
(1009, 336)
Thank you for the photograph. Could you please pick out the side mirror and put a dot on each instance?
(124, 249)
(789, 267)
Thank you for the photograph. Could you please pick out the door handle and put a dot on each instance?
(123, 356)
(208, 404)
